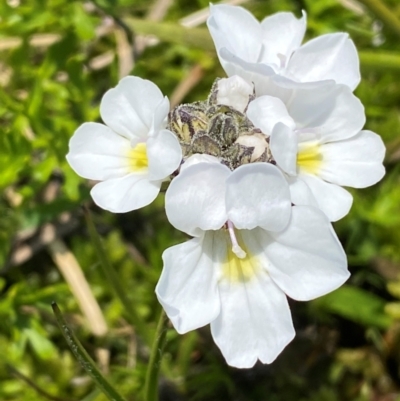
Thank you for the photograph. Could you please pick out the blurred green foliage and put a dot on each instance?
(58, 57)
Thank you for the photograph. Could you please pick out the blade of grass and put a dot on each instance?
(173, 33)
(379, 60)
(84, 358)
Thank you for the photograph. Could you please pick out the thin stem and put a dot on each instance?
(114, 281)
(384, 13)
(153, 368)
(84, 358)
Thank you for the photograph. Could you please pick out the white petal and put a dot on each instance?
(257, 194)
(332, 111)
(355, 162)
(252, 73)
(164, 154)
(199, 158)
(333, 200)
(97, 153)
(266, 111)
(160, 116)
(121, 195)
(331, 56)
(234, 92)
(300, 192)
(187, 288)
(282, 34)
(255, 321)
(129, 107)
(283, 143)
(236, 29)
(195, 199)
(306, 260)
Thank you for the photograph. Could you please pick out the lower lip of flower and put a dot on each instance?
(138, 157)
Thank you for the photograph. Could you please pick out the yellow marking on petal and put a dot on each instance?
(239, 270)
(138, 157)
(309, 158)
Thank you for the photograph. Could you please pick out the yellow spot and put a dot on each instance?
(237, 269)
(309, 158)
(138, 157)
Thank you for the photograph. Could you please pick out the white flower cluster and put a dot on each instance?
(256, 176)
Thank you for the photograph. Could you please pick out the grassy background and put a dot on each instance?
(57, 58)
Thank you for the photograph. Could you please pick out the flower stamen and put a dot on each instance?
(236, 249)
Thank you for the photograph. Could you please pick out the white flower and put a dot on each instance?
(250, 249)
(132, 154)
(261, 52)
(316, 139)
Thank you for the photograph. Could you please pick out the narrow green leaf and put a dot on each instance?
(153, 368)
(83, 357)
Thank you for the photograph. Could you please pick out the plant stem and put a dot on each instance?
(84, 358)
(153, 368)
(387, 16)
(115, 282)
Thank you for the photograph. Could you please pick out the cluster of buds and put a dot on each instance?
(207, 127)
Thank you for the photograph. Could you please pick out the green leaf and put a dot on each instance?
(357, 305)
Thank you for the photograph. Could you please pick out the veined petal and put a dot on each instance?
(306, 260)
(332, 199)
(331, 56)
(266, 111)
(195, 199)
(283, 143)
(97, 153)
(282, 35)
(187, 288)
(257, 194)
(164, 153)
(129, 108)
(331, 111)
(254, 323)
(354, 162)
(236, 29)
(121, 195)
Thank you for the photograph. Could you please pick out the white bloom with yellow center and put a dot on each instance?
(260, 52)
(316, 139)
(250, 248)
(132, 154)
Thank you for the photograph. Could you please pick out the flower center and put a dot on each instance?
(138, 157)
(239, 266)
(309, 157)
